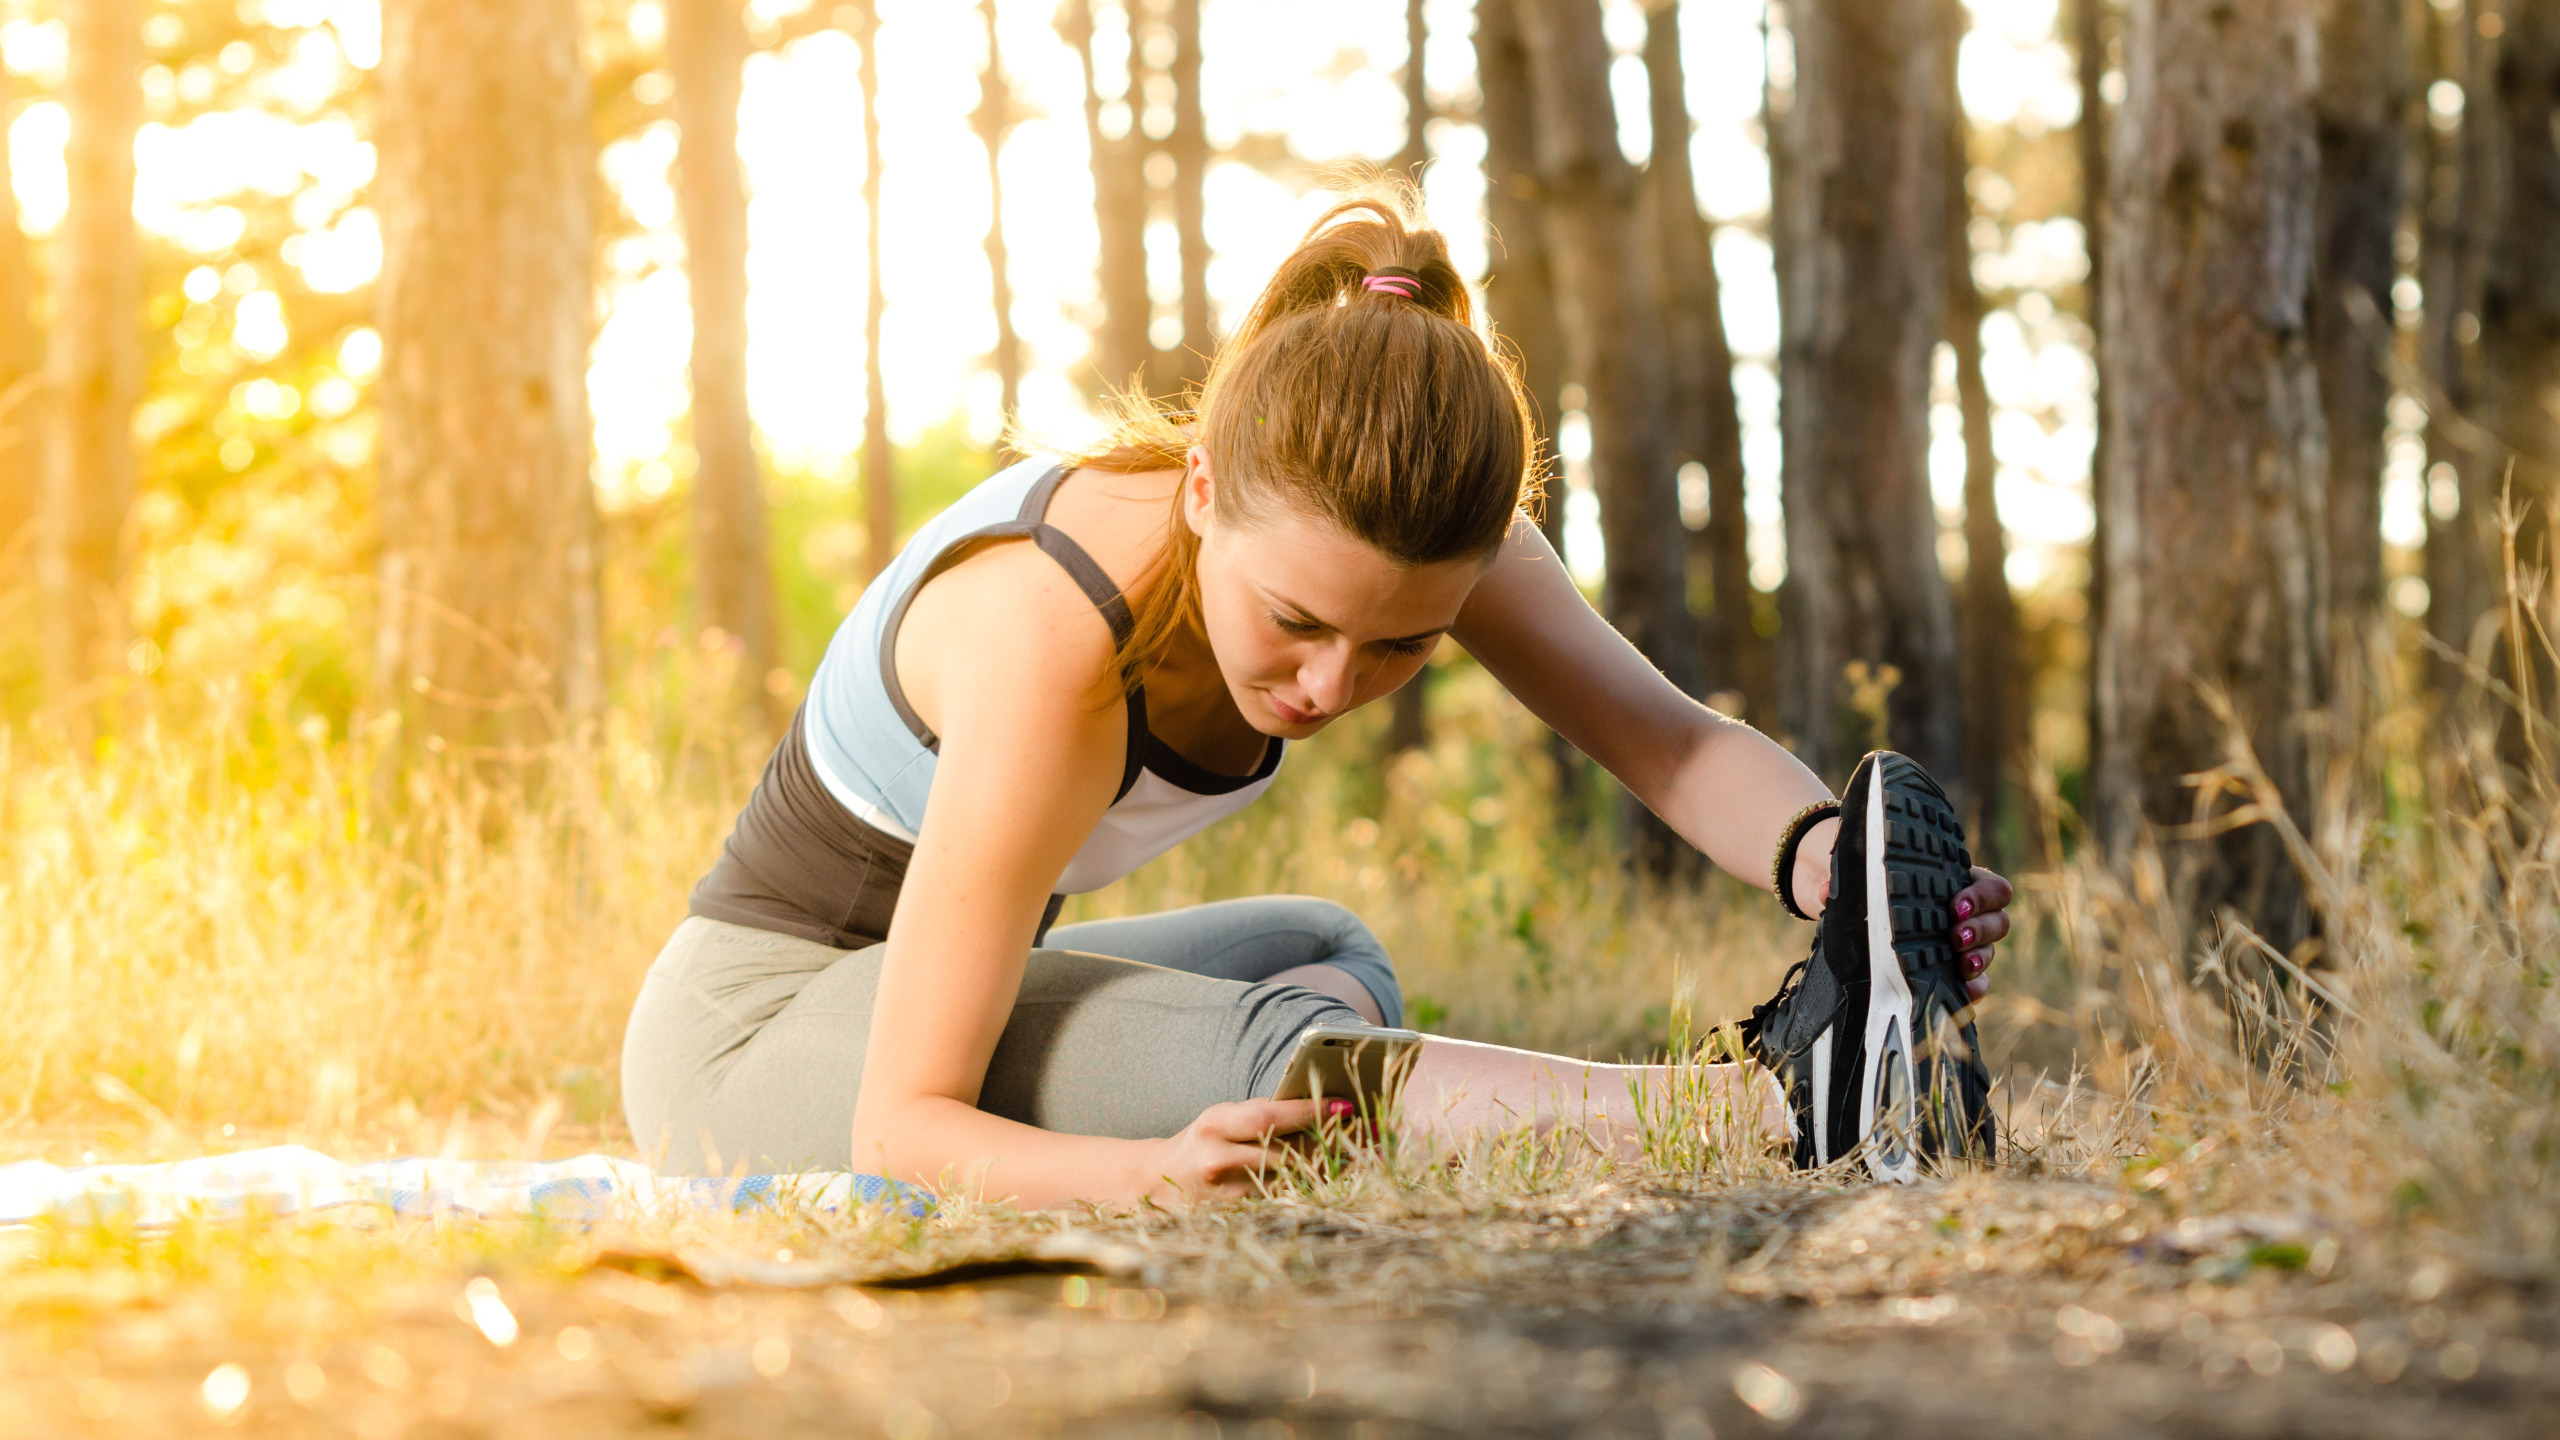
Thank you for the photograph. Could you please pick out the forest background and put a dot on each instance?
(437, 441)
(438, 438)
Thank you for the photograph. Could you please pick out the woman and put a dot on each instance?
(868, 977)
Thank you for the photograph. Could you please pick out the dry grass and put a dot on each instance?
(2268, 1194)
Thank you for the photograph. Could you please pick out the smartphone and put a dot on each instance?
(1359, 1063)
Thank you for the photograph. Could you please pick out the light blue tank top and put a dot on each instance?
(877, 757)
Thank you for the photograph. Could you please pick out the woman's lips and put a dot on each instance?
(1290, 714)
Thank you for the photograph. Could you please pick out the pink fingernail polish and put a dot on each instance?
(1337, 1108)
(1964, 935)
(1963, 908)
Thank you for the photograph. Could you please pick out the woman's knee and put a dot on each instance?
(1351, 947)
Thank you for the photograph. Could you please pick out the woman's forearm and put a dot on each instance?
(940, 1143)
(1732, 794)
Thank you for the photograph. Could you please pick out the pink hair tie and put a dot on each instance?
(1388, 282)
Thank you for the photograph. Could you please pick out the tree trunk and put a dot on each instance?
(1995, 689)
(1121, 347)
(2362, 110)
(2089, 33)
(2217, 516)
(1706, 425)
(1519, 290)
(2462, 536)
(1870, 619)
(706, 48)
(1408, 714)
(879, 462)
(1189, 147)
(1613, 335)
(21, 366)
(490, 636)
(96, 359)
(994, 120)
(1417, 94)
(2520, 332)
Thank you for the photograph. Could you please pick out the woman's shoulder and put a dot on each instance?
(1005, 612)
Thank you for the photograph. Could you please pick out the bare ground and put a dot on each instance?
(1972, 1307)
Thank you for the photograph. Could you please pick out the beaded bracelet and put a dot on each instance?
(1781, 869)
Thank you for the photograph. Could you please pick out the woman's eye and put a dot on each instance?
(1412, 647)
(1296, 627)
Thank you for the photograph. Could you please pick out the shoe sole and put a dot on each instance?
(1916, 863)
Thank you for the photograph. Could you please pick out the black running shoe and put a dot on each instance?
(1869, 1033)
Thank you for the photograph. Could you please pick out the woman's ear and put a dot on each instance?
(1199, 490)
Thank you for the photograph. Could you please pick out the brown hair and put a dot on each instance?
(1390, 416)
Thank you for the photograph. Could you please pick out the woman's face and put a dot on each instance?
(1308, 623)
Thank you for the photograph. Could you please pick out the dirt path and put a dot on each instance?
(1972, 1309)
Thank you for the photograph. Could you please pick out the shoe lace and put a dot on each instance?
(1763, 1013)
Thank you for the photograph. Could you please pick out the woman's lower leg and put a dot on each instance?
(1460, 1091)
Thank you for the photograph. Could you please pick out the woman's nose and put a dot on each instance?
(1330, 681)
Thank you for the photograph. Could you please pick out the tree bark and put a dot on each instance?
(1994, 678)
(2217, 516)
(1121, 347)
(2462, 537)
(2520, 331)
(1863, 221)
(1706, 424)
(21, 365)
(95, 375)
(879, 462)
(2089, 33)
(490, 636)
(1520, 285)
(1408, 712)
(1417, 94)
(1189, 147)
(1613, 337)
(706, 50)
(993, 120)
(2362, 109)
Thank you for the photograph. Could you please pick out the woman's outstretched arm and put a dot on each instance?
(1724, 786)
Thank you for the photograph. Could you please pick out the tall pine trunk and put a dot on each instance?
(1706, 424)
(733, 568)
(1121, 347)
(1995, 687)
(879, 462)
(1408, 714)
(21, 366)
(994, 120)
(1862, 227)
(96, 359)
(1189, 147)
(2216, 489)
(2089, 36)
(490, 637)
(1520, 283)
(1613, 336)
(2451, 247)
(2362, 109)
(2520, 337)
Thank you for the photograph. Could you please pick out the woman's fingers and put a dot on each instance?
(1982, 931)
(1988, 894)
(1247, 1121)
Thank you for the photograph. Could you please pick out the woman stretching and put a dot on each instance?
(1083, 662)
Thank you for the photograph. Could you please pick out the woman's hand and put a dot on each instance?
(1982, 921)
(1981, 907)
(1226, 1149)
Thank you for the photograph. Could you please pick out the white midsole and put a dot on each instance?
(1822, 1096)
(1888, 1003)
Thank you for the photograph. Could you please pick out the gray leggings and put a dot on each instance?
(745, 1047)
